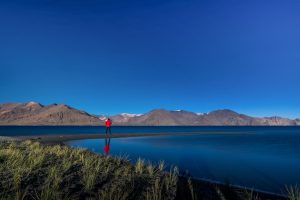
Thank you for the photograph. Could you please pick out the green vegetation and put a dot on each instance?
(293, 192)
(30, 170)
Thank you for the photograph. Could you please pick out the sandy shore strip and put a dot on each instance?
(61, 138)
(6, 138)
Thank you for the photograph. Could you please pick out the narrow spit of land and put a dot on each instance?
(61, 138)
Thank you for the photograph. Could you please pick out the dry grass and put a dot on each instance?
(293, 192)
(29, 170)
(191, 188)
(247, 194)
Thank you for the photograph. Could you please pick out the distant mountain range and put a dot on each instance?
(33, 113)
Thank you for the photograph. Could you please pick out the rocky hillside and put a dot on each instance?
(33, 113)
(218, 117)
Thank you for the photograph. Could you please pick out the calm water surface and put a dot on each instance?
(48, 130)
(264, 161)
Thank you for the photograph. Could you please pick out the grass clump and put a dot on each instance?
(249, 195)
(293, 192)
(164, 185)
(191, 188)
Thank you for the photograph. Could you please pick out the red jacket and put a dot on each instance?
(108, 123)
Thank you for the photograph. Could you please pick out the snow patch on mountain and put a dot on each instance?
(130, 115)
(102, 118)
(32, 103)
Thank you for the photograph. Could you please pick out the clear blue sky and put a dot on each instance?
(111, 56)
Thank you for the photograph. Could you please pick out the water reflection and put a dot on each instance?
(107, 144)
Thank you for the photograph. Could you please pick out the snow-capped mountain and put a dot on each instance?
(124, 117)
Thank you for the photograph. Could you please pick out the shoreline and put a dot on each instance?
(61, 138)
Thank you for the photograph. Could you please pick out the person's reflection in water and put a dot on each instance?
(107, 145)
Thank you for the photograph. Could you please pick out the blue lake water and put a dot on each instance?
(264, 158)
(42, 130)
(48, 130)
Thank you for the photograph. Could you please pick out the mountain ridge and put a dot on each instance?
(33, 113)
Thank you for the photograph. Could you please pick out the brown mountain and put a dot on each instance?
(231, 118)
(217, 118)
(33, 113)
(164, 117)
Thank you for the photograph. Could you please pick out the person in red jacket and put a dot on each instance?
(108, 124)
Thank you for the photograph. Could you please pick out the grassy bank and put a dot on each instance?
(30, 170)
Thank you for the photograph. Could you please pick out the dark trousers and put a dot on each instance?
(108, 129)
